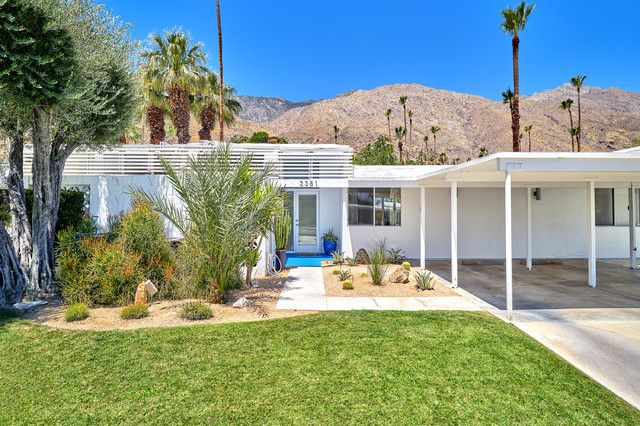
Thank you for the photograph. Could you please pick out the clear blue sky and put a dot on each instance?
(301, 49)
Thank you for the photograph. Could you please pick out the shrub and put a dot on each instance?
(338, 257)
(196, 311)
(71, 210)
(135, 311)
(94, 271)
(424, 280)
(259, 137)
(395, 256)
(76, 312)
(141, 232)
(406, 265)
(344, 274)
(347, 285)
(351, 261)
(377, 268)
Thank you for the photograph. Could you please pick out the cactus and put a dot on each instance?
(347, 285)
(406, 265)
(282, 230)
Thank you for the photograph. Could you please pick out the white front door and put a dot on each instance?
(305, 222)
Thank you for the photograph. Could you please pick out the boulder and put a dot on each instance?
(145, 288)
(241, 303)
(362, 257)
(399, 275)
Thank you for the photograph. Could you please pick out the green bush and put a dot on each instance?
(141, 232)
(70, 213)
(259, 137)
(196, 311)
(94, 271)
(134, 311)
(76, 312)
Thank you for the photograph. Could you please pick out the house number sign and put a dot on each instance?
(308, 184)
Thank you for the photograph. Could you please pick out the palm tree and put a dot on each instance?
(507, 98)
(401, 132)
(177, 67)
(577, 82)
(566, 105)
(403, 102)
(528, 129)
(513, 23)
(388, 115)
(575, 133)
(155, 106)
(410, 115)
(221, 90)
(205, 105)
(336, 130)
(434, 130)
(426, 145)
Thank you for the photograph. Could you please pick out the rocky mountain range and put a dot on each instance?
(610, 119)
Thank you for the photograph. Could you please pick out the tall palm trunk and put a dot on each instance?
(579, 135)
(573, 146)
(435, 152)
(389, 127)
(410, 131)
(155, 118)
(529, 141)
(207, 122)
(404, 107)
(221, 79)
(179, 101)
(515, 111)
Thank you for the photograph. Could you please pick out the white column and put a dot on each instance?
(423, 227)
(591, 201)
(346, 235)
(454, 233)
(529, 235)
(508, 255)
(633, 253)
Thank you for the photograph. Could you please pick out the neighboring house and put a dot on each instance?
(563, 205)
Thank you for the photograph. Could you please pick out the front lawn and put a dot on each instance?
(354, 367)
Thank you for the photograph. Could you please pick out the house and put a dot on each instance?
(558, 205)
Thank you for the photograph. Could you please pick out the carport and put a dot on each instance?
(533, 172)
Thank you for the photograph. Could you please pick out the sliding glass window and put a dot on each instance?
(375, 206)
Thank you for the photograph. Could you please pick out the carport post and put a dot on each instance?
(423, 227)
(633, 253)
(454, 233)
(508, 256)
(591, 198)
(529, 262)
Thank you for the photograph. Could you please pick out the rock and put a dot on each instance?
(399, 275)
(25, 306)
(362, 257)
(255, 284)
(241, 303)
(145, 288)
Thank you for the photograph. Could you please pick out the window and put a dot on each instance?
(604, 207)
(375, 206)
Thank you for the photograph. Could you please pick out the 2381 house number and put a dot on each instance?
(308, 184)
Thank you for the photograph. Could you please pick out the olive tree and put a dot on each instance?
(66, 69)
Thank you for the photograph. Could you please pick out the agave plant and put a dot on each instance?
(344, 274)
(395, 256)
(424, 280)
(338, 257)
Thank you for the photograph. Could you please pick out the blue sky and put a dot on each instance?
(301, 49)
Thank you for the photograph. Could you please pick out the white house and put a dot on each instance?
(558, 205)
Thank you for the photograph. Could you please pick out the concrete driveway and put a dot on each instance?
(595, 329)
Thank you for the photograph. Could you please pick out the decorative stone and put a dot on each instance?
(399, 275)
(241, 303)
(25, 306)
(255, 284)
(362, 257)
(145, 288)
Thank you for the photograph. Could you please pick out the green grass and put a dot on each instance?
(333, 368)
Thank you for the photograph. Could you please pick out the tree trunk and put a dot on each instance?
(56, 168)
(400, 151)
(12, 276)
(221, 109)
(179, 100)
(529, 141)
(155, 118)
(435, 152)
(515, 113)
(40, 280)
(404, 107)
(20, 222)
(410, 131)
(579, 135)
(389, 128)
(573, 147)
(207, 122)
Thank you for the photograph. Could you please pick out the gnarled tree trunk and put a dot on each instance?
(20, 222)
(207, 122)
(179, 100)
(12, 276)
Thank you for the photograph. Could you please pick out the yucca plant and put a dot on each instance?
(377, 267)
(424, 280)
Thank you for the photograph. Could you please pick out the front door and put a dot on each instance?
(305, 222)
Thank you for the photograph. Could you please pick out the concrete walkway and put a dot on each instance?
(304, 291)
(603, 343)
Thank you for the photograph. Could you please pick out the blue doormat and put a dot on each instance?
(297, 260)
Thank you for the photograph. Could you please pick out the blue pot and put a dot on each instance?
(329, 246)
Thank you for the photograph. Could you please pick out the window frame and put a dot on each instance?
(612, 195)
(375, 208)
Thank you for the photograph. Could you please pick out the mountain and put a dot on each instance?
(261, 109)
(610, 119)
